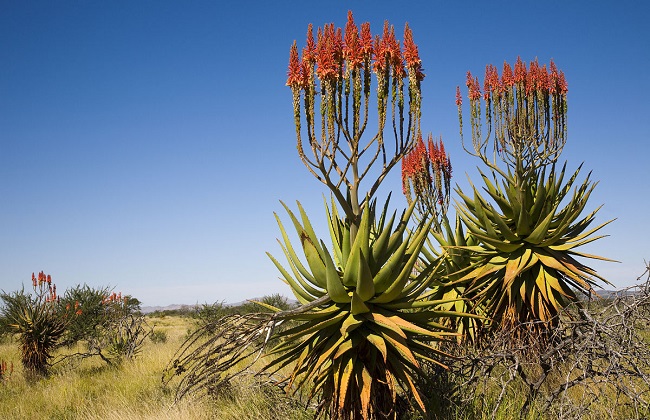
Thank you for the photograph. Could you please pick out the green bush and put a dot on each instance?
(96, 309)
(158, 336)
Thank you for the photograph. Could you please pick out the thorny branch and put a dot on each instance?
(222, 350)
(600, 352)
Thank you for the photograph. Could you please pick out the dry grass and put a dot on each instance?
(92, 390)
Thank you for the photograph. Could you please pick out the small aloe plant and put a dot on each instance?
(38, 320)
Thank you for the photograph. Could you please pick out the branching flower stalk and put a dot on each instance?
(334, 76)
(524, 113)
(426, 178)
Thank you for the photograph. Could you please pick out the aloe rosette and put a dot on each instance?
(376, 322)
(526, 267)
(449, 250)
(38, 322)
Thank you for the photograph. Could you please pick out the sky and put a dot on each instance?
(145, 145)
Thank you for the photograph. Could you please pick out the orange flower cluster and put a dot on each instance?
(335, 54)
(42, 279)
(535, 79)
(52, 297)
(459, 97)
(525, 111)
(427, 170)
(473, 87)
(415, 164)
(114, 298)
(45, 282)
(77, 308)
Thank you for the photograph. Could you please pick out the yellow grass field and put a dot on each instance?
(93, 390)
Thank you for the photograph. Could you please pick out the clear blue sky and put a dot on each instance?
(145, 144)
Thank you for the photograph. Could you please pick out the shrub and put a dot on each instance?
(116, 329)
(122, 338)
(158, 336)
(90, 302)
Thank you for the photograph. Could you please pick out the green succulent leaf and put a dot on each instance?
(335, 289)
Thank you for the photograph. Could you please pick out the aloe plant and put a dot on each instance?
(527, 267)
(449, 250)
(366, 341)
(426, 179)
(366, 320)
(528, 227)
(38, 321)
(373, 320)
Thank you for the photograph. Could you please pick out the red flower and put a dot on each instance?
(562, 84)
(413, 163)
(507, 78)
(365, 43)
(327, 52)
(491, 84)
(309, 51)
(387, 50)
(557, 82)
(352, 49)
(474, 87)
(411, 54)
(520, 71)
(531, 77)
(542, 79)
(459, 98)
(295, 76)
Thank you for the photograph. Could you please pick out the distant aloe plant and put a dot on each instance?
(38, 321)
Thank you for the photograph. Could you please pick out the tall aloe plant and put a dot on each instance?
(373, 323)
(366, 320)
(529, 225)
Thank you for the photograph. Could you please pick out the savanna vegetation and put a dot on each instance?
(400, 314)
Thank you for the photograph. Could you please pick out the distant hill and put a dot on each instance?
(606, 294)
(150, 309)
(174, 307)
